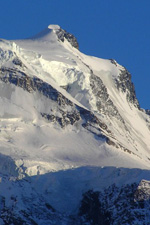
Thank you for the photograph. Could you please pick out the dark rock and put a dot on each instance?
(17, 61)
(125, 84)
(115, 205)
(104, 103)
(143, 191)
(62, 35)
(91, 210)
(147, 112)
(113, 61)
(67, 118)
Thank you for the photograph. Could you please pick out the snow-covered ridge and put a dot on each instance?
(103, 87)
(68, 123)
(53, 33)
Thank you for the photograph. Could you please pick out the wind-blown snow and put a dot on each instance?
(54, 27)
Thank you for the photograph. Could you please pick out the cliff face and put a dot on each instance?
(63, 34)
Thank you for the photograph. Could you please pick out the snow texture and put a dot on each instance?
(69, 123)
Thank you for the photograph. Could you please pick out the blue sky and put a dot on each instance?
(118, 29)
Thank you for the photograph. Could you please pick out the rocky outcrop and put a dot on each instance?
(62, 35)
(128, 204)
(147, 112)
(65, 119)
(143, 191)
(31, 84)
(104, 103)
(124, 84)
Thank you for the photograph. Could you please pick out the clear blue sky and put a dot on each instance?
(118, 29)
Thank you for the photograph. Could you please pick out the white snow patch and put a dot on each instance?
(54, 27)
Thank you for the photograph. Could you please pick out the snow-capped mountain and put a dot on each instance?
(71, 133)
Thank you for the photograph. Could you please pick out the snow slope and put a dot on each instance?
(62, 110)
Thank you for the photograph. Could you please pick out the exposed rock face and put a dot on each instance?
(17, 62)
(67, 118)
(104, 103)
(62, 35)
(143, 191)
(147, 112)
(128, 204)
(125, 84)
(29, 84)
(92, 210)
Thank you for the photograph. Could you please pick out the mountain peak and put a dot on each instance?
(70, 124)
(61, 34)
